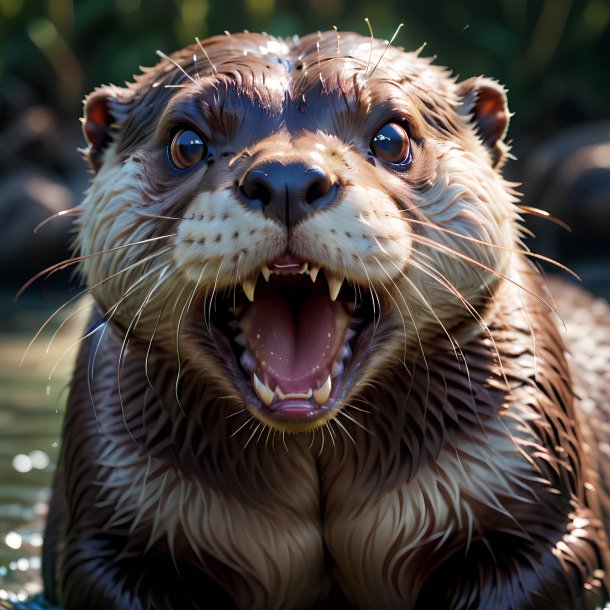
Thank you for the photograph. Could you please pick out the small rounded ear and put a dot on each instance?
(484, 102)
(103, 114)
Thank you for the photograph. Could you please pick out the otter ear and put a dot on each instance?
(104, 111)
(483, 101)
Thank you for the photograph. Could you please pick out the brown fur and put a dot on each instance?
(455, 469)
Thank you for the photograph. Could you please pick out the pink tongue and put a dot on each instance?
(295, 343)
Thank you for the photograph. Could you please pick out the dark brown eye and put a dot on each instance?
(187, 149)
(392, 144)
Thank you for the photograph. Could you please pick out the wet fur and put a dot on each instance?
(455, 476)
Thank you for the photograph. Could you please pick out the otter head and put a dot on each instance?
(286, 220)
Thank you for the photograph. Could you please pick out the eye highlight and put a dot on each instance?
(393, 145)
(186, 149)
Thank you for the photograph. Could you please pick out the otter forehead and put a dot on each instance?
(249, 85)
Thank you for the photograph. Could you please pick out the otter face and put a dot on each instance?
(287, 220)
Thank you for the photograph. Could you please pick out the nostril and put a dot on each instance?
(317, 190)
(254, 189)
(258, 192)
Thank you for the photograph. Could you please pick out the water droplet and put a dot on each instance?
(13, 540)
(35, 539)
(40, 460)
(22, 463)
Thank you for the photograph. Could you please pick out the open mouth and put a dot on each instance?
(292, 338)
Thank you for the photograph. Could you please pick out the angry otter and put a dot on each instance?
(321, 369)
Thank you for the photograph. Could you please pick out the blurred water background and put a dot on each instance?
(553, 55)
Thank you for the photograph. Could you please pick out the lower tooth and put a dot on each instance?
(248, 361)
(337, 369)
(322, 394)
(263, 391)
(345, 352)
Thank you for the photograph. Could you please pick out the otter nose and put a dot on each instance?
(287, 191)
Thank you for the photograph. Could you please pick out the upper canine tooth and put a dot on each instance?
(248, 286)
(334, 285)
(264, 391)
(266, 272)
(313, 273)
(322, 394)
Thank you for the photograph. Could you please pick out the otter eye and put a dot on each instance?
(392, 144)
(187, 149)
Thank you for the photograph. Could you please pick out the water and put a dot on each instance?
(31, 410)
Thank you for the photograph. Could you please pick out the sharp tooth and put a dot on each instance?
(248, 361)
(337, 369)
(322, 394)
(313, 273)
(334, 285)
(264, 392)
(345, 352)
(283, 396)
(266, 272)
(248, 286)
(241, 340)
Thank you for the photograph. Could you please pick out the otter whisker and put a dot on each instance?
(426, 304)
(331, 433)
(211, 301)
(338, 39)
(128, 332)
(313, 438)
(235, 412)
(74, 211)
(90, 371)
(249, 420)
(106, 318)
(523, 250)
(143, 214)
(260, 434)
(173, 61)
(284, 441)
(322, 440)
(351, 438)
(150, 343)
(368, 23)
(73, 313)
(77, 259)
(353, 406)
(546, 215)
(441, 247)
(344, 413)
(386, 48)
(178, 334)
(439, 277)
(374, 295)
(410, 313)
(206, 56)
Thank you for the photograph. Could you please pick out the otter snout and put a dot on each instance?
(287, 192)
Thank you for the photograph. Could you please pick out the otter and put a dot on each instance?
(322, 369)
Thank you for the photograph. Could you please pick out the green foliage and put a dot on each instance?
(553, 55)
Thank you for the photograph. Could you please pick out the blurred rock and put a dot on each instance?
(41, 174)
(569, 177)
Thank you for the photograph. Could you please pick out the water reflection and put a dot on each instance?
(30, 425)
